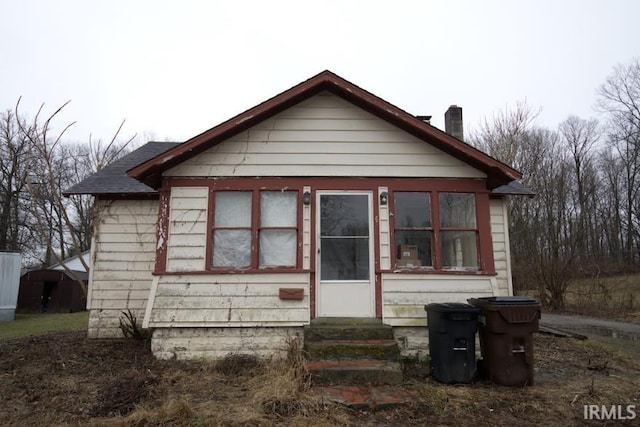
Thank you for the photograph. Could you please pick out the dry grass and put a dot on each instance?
(65, 379)
(238, 390)
(612, 297)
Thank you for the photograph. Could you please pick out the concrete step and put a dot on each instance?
(347, 328)
(356, 371)
(384, 349)
(348, 351)
(328, 331)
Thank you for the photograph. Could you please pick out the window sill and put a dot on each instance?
(408, 270)
(233, 271)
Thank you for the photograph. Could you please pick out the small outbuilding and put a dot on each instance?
(54, 289)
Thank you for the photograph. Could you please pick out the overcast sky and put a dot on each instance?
(173, 69)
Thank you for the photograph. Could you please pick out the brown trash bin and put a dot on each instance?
(506, 326)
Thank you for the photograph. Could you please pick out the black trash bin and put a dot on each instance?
(452, 344)
(506, 326)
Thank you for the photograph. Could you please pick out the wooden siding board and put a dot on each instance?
(254, 145)
(225, 302)
(225, 316)
(284, 169)
(237, 279)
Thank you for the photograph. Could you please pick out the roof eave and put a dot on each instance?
(498, 173)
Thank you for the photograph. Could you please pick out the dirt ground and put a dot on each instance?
(64, 378)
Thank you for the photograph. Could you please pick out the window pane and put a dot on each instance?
(459, 249)
(277, 248)
(458, 210)
(344, 215)
(233, 209)
(344, 258)
(278, 208)
(232, 248)
(412, 209)
(419, 238)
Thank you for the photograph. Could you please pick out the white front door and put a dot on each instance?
(345, 267)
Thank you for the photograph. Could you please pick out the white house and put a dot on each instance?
(323, 201)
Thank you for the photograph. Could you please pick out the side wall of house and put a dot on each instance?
(501, 252)
(123, 256)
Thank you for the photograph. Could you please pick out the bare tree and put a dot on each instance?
(619, 98)
(580, 137)
(502, 137)
(14, 155)
(51, 167)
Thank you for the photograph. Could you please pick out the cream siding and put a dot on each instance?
(324, 136)
(384, 236)
(405, 295)
(123, 251)
(186, 248)
(228, 300)
(500, 236)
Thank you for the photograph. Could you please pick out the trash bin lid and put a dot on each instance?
(509, 300)
(451, 307)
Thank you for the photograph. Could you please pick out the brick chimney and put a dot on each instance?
(453, 122)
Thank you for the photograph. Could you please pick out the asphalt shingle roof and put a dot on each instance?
(514, 188)
(113, 178)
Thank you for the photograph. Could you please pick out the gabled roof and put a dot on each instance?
(73, 263)
(113, 180)
(150, 171)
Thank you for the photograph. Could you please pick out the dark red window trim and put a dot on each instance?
(482, 230)
(477, 186)
(255, 228)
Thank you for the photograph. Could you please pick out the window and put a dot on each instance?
(278, 233)
(458, 230)
(232, 229)
(246, 238)
(436, 230)
(413, 229)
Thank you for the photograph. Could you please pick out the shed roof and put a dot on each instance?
(498, 173)
(514, 188)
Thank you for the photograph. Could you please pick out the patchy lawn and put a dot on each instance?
(43, 323)
(64, 378)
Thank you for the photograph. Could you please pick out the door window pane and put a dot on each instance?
(232, 248)
(459, 249)
(458, 210)
(344, 215)
(233, 209)
(344, 258)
